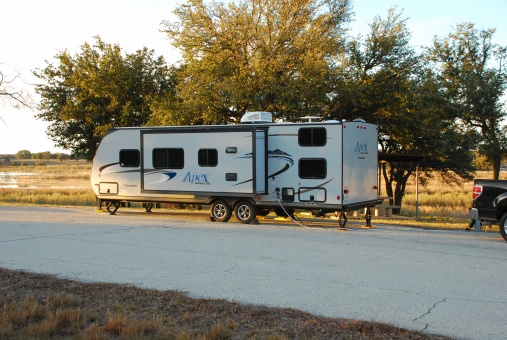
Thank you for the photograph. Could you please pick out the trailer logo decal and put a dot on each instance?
(284, 156)
(194, 178)
(279, 154)
(285, 168)
(170, 175)
(304, 191)
(107, 166)
(273, 154)
(361, 148)
(166, 176)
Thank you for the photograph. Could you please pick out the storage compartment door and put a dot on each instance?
(108, 188)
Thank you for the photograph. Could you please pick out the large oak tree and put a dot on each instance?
(86, 94)
(270, 55)
(381, 79)
(471, 69)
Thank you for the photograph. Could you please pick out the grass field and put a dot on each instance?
(59, 183)
(68, 183)
(441, 199)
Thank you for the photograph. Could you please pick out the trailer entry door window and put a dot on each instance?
(130, 158)
(312, 168)
(312, 136)
(168, 158)
(207, 157)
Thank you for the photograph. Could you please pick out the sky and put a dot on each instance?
(34, 31)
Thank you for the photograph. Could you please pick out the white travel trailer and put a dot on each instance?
(248, 169)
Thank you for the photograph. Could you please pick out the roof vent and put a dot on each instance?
(257, 117)
(310, 119)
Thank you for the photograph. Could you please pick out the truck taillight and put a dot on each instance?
(477, 191)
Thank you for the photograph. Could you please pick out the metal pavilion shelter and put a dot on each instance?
(394, 157)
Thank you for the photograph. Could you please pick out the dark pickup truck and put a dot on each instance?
(490, 203)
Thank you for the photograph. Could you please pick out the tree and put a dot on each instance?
(374, 82)
(85, 95)
(254, 55)
(382, 80)
(23, 154)
(62, 156)
(471, 69)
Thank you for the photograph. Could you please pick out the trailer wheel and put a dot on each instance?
(245, 212)
(503, 226)
(221, 211)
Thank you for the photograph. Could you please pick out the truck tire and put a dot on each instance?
(503, 226)
(221, 211)
(245, 212)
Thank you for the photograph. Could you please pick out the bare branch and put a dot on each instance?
(13, 95)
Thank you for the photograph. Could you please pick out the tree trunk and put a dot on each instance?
(497, 162)
(398, 173)
(388, 181)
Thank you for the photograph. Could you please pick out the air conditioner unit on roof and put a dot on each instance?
(257, 117)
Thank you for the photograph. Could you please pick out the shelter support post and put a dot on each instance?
(417, 190)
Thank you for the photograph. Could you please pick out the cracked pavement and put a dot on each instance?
(443, 282)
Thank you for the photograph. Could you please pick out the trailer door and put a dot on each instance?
(260, 161)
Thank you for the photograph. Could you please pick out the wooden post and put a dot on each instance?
(417, 190)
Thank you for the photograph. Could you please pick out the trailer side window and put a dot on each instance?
(168, 158)
(207, 157)
(312, 136)
(312, 168)
(129, 158)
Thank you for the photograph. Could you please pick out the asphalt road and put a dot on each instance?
(446, 282)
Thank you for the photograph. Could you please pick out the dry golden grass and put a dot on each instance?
(68, 183)
(439, 199)
(64, 196)
(42, 307)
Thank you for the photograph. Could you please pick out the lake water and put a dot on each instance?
(13, 180)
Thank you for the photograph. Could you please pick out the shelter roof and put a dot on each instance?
(398, 157)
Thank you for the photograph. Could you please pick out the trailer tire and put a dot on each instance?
(221, 211)
(245, 212)
(503, 226)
